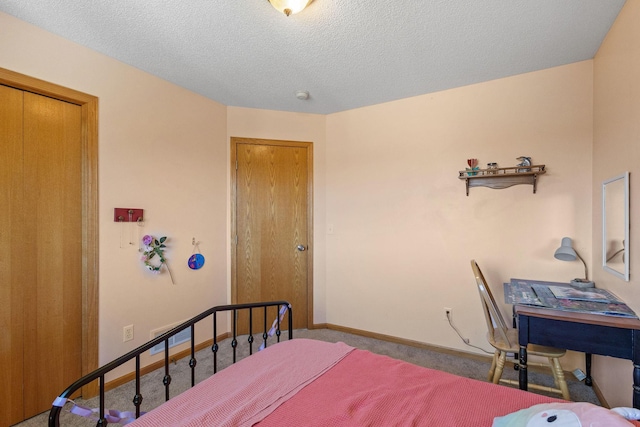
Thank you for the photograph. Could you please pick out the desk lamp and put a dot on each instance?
(566, 253)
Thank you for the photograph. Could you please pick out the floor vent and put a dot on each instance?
(179, 338)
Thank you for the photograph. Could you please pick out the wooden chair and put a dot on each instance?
(505, 340)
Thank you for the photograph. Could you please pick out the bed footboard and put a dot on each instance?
(253, 309)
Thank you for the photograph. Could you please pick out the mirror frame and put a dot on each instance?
(624, 275)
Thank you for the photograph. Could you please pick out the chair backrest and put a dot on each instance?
(493, 316)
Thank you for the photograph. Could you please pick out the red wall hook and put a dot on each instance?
(127, 215)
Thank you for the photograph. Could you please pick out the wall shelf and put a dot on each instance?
(502, 177)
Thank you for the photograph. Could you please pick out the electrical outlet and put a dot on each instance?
(447, 314)
(127, 333)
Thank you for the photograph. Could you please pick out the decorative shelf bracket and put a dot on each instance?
(502, 177)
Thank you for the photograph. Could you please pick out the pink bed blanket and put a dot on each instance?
(367, 389)
(246, 392)
(307, 383)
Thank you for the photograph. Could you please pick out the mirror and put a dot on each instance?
(615, 226)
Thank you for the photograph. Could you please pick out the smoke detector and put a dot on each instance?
(302, 95)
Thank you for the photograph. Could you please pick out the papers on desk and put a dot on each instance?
(521, 292)
(592, 294)
(560, 296)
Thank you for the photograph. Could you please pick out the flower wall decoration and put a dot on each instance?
(155, 248)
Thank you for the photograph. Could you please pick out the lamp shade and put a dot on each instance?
(289, 7)
(566, 252)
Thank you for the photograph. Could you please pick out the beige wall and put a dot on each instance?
(161, 148)
(616, 149)
(403, 229)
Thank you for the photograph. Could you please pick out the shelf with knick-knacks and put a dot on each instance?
(499, 178)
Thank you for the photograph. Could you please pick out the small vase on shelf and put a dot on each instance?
(472, 170)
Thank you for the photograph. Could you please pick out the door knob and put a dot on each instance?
(301, 248)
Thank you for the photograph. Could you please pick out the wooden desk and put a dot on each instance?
(589, 333)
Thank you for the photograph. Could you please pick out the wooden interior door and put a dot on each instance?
(41, 252)
(273, 251)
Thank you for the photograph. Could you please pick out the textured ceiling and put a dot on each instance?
(346, 53)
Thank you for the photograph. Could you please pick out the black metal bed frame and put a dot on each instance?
(54, 414)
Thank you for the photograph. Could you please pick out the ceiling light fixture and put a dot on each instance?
(290, 6)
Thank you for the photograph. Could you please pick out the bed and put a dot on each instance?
(303, 382)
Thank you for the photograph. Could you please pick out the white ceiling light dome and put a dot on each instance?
(289, 7)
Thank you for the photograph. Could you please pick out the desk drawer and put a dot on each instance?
(587, 338)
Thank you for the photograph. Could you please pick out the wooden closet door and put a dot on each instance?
(53, 230)
(13, 254)
(40, 251)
